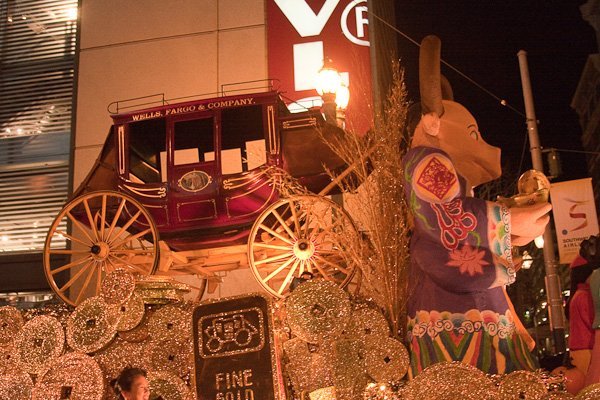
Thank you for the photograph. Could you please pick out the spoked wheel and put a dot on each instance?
(93, 235)
(297, 234)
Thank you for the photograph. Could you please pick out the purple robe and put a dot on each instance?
(461, 262)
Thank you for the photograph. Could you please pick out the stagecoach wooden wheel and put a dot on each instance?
(95, 234)
(297, 234)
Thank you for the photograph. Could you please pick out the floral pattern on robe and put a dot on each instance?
(460, 264)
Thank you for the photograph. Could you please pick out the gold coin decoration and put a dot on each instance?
(160, 290)
(119, 355)
(317, 310)
(11, 322)
(15, 385)
(117, 286)
(366, 322)
(307, 365)
(383, 391)
(92, 325)
(170, 322)
(326, 393)
(591, 392)
(7, 358)
(41, 340)
(137, 334)
(73, 376)
(131, 313)
(522, 385)
(386, 359)
(348, 367)
(451, 380)
(168, 386)
(170, 355)
(61, 311)
(558, 396)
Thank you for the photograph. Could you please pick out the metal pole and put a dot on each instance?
(553, 289)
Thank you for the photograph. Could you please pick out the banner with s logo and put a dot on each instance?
(575, 216)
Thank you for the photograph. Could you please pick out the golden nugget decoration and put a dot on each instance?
(533, 187)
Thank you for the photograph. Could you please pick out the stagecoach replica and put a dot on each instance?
(200, 187)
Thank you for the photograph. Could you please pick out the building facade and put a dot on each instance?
(586, 101)
(126, 50)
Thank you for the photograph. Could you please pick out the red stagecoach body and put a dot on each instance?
(200, 168)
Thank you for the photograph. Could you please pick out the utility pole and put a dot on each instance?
(553, 287)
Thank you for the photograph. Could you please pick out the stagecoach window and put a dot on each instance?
(146, 143)
(242, 138)
(194, 141)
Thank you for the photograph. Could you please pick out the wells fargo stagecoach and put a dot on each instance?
(196, 188)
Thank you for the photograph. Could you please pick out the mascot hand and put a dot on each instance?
(528, 222)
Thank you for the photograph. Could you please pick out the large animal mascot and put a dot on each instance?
(461, 246)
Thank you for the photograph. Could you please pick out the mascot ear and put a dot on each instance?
(431, 123)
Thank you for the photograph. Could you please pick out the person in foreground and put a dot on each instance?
(131, 384)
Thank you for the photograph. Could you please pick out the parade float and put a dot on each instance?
(158, 204)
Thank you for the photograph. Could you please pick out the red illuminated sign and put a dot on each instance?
(301, 33)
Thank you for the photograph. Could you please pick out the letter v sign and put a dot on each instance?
(302, 17)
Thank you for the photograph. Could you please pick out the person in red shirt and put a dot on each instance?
(580, 311)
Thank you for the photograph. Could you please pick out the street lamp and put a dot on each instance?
(333, 91)
(527, 260)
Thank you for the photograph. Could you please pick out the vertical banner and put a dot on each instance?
(301, 33)
(574, 213)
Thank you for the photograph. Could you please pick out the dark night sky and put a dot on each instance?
(481, 39)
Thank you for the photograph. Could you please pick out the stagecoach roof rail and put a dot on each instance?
(136, 103)
(117, 106)
(269, 84)
(292, 101)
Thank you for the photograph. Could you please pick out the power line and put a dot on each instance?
(571, 151)
(500, 100)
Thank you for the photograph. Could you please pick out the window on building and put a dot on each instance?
(37, 58)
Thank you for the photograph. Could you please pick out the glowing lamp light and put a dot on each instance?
(342, 96)
(539, 242)
(328, 79)
(334, 92)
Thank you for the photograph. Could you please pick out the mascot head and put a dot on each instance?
(447, 125)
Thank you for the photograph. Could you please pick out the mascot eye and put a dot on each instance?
(474, 135)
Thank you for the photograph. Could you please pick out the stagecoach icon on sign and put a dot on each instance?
(235, 329)
(193, 188)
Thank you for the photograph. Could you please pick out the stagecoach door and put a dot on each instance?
(193, 165)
